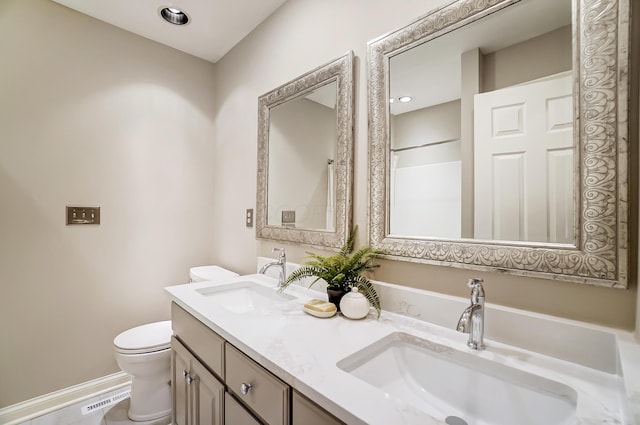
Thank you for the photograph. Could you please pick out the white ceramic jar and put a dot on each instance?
(354, 305)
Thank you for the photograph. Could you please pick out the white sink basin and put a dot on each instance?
(244, 297)
(460, 387)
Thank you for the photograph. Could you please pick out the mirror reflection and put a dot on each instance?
(481, 130)
(523, 218)
(302, 151)
(305, 157)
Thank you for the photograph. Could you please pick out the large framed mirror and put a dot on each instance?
(499, 139)
(305, 157)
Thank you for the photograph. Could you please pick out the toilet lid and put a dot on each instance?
(145, 339)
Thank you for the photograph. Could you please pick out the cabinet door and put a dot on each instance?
(198, 396)
(207, 395)
(180, 364)
(235, 414)
(306, 412)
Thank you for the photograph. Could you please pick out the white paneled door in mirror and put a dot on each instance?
(523, 162)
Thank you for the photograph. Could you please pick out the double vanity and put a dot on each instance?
(256, 357)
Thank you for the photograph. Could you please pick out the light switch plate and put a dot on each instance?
(249, 217)
(83, 215)
(289, 218)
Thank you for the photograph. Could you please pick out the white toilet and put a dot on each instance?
(144, 352)
(210, 274)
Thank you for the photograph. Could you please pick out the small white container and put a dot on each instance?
(354, 305)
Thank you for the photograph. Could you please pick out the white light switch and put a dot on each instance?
(249, 217)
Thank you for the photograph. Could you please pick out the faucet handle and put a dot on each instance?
(283, 255)
(474, 282)
(477, 290)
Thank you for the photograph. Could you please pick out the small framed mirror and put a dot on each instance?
(499, 139)
(305, 157)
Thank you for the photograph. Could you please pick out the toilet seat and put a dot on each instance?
(145, 338)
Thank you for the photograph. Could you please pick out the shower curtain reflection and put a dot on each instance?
(331, 198)
(425, 196)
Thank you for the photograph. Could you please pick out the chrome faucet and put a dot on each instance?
(281, 262)
(472, 318)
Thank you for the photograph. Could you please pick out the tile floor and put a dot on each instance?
(116, 414)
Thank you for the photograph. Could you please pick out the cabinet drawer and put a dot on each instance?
(235, 414)
(208, 345)
(267, 396)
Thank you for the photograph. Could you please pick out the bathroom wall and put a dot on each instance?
(93, 115)
(538, 57)
(297, 38)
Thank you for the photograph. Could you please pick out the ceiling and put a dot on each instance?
(215, 26)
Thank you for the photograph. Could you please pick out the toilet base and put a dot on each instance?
(156, 394)
(163, 419)
(118, 414)
(163, 415)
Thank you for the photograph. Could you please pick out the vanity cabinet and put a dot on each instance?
(208, 345)
(306, 412)
(215, 383)
(198, 396)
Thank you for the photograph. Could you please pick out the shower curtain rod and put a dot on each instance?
(442, 142)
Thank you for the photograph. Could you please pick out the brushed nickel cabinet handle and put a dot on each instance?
(244, 388)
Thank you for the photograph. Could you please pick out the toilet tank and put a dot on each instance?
(210, 273)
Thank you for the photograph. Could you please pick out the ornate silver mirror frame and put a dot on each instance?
(340, 71)
(601, 49)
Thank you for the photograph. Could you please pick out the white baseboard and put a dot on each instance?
(29, 409)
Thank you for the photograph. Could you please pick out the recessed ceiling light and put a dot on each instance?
(405, 99)
(391, 100)
(174, 16)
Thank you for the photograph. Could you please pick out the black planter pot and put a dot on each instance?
(335, 295)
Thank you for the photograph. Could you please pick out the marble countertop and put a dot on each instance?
(303, 351)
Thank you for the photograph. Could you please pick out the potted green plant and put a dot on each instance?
(341, 271)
